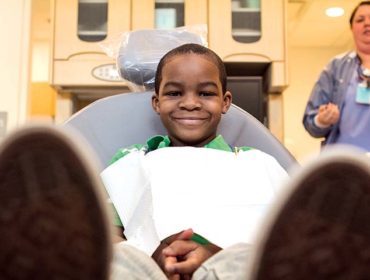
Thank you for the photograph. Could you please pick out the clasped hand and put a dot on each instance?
(179, 256)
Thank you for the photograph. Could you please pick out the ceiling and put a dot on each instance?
(308, 26)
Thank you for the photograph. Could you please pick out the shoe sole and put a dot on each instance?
(319, 228)
(52, 223)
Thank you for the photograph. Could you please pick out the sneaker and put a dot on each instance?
(53, 224)
(319, 227)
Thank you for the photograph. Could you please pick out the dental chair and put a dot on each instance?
(121, 120)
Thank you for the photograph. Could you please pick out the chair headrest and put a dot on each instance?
(141, 50)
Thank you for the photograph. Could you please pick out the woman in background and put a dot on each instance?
(339, 106)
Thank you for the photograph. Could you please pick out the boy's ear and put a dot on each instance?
(226, 102)
(155, 103)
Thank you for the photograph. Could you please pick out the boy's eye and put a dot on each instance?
(173, 93)
(207, 93)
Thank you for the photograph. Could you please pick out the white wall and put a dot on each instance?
(40, 61)
(305, 65)
(14, 59)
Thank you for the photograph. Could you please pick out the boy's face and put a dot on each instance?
(190, 100)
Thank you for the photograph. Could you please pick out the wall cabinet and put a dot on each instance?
(266, 39)
(78, 28)
(168, 13)
(240, 31)
(250, 31)
(80, 25)
(246, 20)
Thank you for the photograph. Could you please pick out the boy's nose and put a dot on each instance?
(190, 101)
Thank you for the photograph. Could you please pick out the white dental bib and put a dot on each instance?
(220, 195)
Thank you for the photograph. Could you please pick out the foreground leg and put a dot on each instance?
(320, 228)
(130, 263)
(230, 263)
(52, 219)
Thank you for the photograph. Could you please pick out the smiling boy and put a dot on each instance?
(190, 97)
(190, 106)
(189, 100)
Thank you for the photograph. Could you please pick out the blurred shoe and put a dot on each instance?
(320, 227)
(53, 223)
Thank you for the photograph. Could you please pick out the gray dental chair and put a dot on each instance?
(121, 120)
(125, 119)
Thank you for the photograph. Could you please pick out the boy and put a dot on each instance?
(190, 97)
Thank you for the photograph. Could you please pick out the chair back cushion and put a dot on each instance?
(118, 121)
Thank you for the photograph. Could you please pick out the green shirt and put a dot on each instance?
(158, 142)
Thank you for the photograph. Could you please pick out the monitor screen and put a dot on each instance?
(248, 94)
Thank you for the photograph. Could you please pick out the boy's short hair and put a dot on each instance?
(362, 3)
(188, 49)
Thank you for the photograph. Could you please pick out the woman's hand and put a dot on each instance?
(328, 115)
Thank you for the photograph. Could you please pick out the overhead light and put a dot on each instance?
(334, 12)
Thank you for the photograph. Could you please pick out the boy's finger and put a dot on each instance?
(185, 267)
(179, 248)
(168, 264)
(185, 235)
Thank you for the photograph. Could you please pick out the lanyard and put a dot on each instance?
(364, 75)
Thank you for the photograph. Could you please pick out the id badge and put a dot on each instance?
(363, 94)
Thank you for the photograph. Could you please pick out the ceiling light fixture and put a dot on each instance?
(334, 12)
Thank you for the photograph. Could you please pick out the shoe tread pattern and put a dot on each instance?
(48, 217)
(323, 232)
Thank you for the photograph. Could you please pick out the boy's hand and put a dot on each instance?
(179, 256)
(189, 256)
(158, 256)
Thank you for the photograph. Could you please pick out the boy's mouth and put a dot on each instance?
(190, 120)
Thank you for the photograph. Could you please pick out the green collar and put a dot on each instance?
(159, 141)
